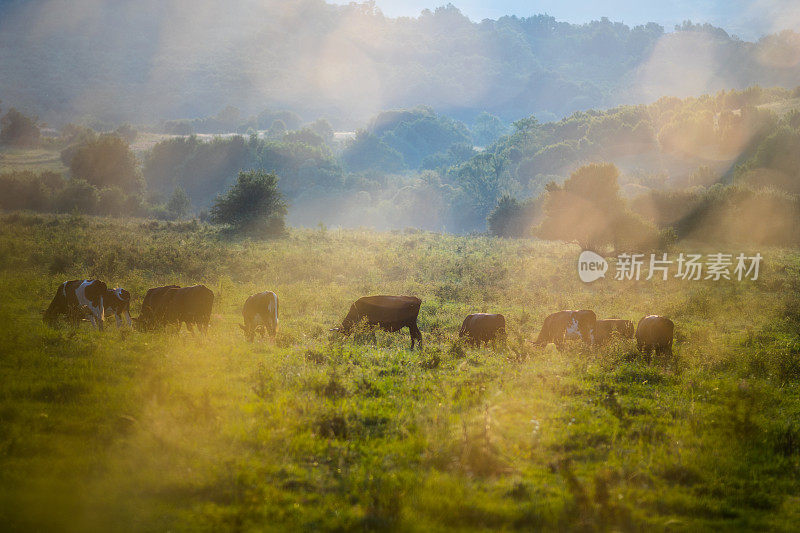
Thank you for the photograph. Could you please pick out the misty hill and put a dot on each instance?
(672, 160)
(175, 59)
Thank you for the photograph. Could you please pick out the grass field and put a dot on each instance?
(36, 160)
(128, 431)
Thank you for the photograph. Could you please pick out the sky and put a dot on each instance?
(749, 19)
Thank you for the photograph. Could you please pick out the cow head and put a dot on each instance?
(249, 334)
(352, 318)
(117, 299)
(144, 321)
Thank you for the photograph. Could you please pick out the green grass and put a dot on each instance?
(123, 430)
(36, 160)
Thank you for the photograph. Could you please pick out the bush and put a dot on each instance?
(25, 190)
(78, 196)
(107, 161)
(179, 204)
(18, 129)
(511, 218)
(253, 205)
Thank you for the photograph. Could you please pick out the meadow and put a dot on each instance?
(127, 431)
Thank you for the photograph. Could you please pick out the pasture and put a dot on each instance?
(121, 430)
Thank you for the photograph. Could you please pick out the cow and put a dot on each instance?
(567, 325)
(607, 327)
(189, 305)
(73, 298)
(117, 302)
(654, 333)
(483, 327)
(153, 308)
(260, 313)
(390, 313)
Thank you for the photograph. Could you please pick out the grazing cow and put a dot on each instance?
(390, 313)
(655, 333)
(260, 313)
(607, 327)
(153, 308)
(117, 302)
(74, 297)
(190, 305)
(567, 325)
(483, 327)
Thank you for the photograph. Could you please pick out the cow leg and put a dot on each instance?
(416, 334)
(118, 319)
(128, 318)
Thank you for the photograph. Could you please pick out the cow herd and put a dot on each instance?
(174, 305)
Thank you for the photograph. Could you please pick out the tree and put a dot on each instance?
(589, 210)
(179, 204)
(17, 129)
(107, 161)
(487, 129)
(511, 218)
(253, 205)
(526, 124)
(278, 129)
(368, 152)
(322, 128)
(127, 132)
(305, 136)
(79, 196)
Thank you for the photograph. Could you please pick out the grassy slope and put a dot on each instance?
(130, 431)
(36, 160)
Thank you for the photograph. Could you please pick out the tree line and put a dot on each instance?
(156, 65)
(418, 168)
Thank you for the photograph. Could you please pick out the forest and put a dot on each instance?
(674, 168)
(144, 62)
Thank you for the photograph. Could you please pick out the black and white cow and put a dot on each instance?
(117, 302)
(79, 298)
(568, 325)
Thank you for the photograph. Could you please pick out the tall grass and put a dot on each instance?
(122, 430)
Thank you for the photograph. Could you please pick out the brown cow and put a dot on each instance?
(153, 308)
(390, 313)
(260, 312)
(607, 327)
(483, 327)
(655, 333)
(567, 325)
(190, 305)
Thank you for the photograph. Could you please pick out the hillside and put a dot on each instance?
(161, 60)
